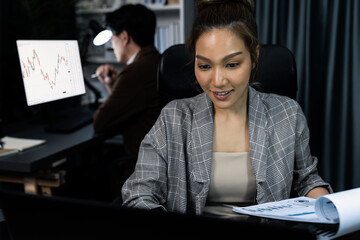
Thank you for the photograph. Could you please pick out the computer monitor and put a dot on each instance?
(51, 70)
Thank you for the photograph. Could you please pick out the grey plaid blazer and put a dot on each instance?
(174, 162)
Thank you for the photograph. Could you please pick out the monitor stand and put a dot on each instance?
(70, 120)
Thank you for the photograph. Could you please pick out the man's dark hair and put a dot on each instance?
(137, 20)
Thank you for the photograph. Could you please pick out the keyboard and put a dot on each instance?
(70, 122)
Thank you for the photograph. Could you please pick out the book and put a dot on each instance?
(13, 145)
(341, 208)
(5, 152)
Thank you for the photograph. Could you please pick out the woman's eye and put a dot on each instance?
(232, 65)
(204, 67)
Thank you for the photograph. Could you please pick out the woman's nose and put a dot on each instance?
(218, 77)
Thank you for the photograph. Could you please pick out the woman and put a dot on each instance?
(230, 144)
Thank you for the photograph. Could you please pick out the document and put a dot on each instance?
(341, 208)
(13, 144)
(5, 152)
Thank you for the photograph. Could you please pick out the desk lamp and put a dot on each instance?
(102, 35)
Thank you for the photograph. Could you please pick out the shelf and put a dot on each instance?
(95, 11)
(154, 7)
(170, 30)
(159, 8)
(92, 9)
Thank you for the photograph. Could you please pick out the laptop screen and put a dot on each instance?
(51, 70)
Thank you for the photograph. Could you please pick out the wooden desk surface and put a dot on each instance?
(57, 146)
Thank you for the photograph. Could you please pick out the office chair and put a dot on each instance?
(176, 76)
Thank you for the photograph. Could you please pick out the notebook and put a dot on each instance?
(13, 145)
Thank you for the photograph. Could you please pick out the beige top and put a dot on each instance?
(232, 178)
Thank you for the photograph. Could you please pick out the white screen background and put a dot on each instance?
(51, 69)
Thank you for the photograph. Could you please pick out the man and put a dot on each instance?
(133, 103)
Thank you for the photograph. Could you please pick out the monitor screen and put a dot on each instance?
(51, 70)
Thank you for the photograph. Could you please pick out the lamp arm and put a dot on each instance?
(94, 90)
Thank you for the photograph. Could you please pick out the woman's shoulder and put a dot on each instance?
(274, 106)
(177, 116)
(184, 104)
(277, 108)
(272, 101)
(184, 108)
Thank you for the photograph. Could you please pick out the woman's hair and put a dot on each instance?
(234, 15)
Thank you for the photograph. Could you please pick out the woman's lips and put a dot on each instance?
(222, 95)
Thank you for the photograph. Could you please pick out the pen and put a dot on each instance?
(94, 75)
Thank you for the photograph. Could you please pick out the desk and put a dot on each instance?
(41, 217)
(28, 167)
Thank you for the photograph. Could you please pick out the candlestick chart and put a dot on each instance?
(50, 70)
(33, 64)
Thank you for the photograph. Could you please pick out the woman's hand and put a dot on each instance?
(317, 192)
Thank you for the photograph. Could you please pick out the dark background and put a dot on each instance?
(324, 36)
(29, 19)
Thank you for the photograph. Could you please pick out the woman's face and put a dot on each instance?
(222, 68)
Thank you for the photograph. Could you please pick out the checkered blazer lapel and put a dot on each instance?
(202, 137)
(258, 138)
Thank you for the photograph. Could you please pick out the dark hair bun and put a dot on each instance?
(202, 4)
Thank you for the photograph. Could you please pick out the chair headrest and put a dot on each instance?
(277, 71)
(176, 76)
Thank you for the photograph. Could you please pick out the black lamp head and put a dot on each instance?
(102, 35)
